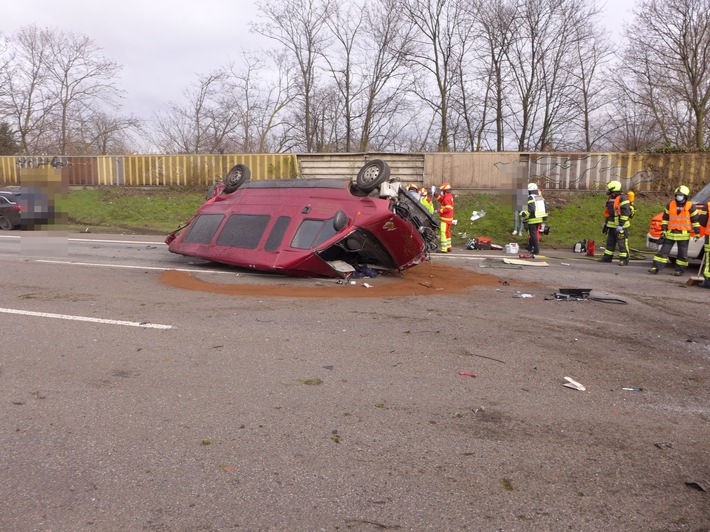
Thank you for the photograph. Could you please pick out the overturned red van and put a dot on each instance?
(310, 227)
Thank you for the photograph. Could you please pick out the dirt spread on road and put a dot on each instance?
(424, 280)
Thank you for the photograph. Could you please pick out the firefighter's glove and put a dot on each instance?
(605, 229)
(664, 234)
(619, 229)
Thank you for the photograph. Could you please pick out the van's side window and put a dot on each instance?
(277, 233)
(243, 230)
(203, 228)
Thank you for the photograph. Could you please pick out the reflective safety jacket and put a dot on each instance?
(536, 212)
(446, 212)
(679, 220)
(428, 204)
(618, 211)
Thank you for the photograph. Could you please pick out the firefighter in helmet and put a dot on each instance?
(446, 215)
(414, 191)
(426, 200)
(533, 216)
(679, 220)
(617, 220)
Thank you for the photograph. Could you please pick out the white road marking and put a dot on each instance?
(85, 318)
(91, 240)
(130, 266)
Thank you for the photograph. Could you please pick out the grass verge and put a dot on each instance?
(573, 216)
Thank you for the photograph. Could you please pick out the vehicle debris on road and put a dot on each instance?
(571, 383)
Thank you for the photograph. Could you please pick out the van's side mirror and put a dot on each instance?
(339, 221)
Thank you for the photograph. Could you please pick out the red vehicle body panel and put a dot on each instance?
(289, 227)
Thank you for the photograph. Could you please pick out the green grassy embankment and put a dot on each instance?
(573, 216)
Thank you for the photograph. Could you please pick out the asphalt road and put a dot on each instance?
(129, 403)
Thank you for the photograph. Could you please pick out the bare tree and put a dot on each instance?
(106, 134)
(26, 92)
(82, 80)
(668, 56)
(261, 103)
(497, 21)
(631, 127)
(52, 82)
(593, 53)
(300, 26)
(203, 124)
(437, 51)
(379, 104)
(540, 63)
(344, 25)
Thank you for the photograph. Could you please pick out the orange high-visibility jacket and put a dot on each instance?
(620, 211)
(680, 218)
(446, 212)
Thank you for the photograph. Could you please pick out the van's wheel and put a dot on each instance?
(372, 174)
(236, 177)
(5, 224)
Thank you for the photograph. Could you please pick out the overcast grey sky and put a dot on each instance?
(163, 44)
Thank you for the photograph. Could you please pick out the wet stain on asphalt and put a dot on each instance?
(427, 279)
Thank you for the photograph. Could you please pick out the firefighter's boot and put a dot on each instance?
(655, 268)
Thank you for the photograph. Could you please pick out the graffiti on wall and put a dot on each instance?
(587, 172)
(39, 162)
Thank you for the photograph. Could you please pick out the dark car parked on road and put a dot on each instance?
(9, 210)
(24, 207)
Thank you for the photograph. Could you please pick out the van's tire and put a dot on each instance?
(236, 177)
(5, 224)
(372, 175)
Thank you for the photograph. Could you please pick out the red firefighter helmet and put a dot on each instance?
(444, 187)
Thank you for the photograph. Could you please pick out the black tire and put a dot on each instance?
(236, 177)
(372, 175)
(5, 224)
